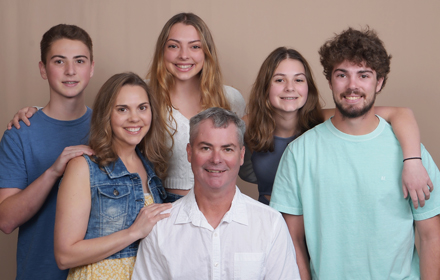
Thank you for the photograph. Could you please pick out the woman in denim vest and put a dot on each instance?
(100, 209)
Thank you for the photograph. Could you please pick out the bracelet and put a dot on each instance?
(412, 158)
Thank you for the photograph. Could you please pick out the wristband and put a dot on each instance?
(412, 158)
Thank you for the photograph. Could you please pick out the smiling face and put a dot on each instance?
(130, 117)
(183, 53)
(215, 156)
(68, 68)
(354, 88)
(288, 89)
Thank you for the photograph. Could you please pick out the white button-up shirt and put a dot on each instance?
(251, 242)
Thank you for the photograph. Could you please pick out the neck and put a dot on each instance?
(214, 205)
(286, 124)
(356, 126)
(65, 109)
(186, 88)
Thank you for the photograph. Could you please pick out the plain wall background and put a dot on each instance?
(124, 34)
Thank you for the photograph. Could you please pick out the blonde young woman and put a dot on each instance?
(186, 78)
(284, 103)
(107, 202)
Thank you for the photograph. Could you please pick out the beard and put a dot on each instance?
(352, 112)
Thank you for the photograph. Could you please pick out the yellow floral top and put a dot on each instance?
(107, 269)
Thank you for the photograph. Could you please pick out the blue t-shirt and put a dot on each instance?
(24, 156)
(265, 165)
(349, 191)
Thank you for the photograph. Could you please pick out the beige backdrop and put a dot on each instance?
(125, 32)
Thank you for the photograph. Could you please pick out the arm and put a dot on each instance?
(415, 179)
(429, 251)
(295, 224)
(18, 206)
(72, 217)
(23, 114)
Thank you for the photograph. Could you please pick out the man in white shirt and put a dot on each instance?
(215, 231)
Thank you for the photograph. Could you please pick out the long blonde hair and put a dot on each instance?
(101, 135)
(211, 81)
(260, 131)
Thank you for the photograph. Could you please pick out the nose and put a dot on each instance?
(134, 117)
(216, 157)
(290, 86)
(70, 69)
(352, 84)
(183, 54)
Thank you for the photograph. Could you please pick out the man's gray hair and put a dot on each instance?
(220, 118)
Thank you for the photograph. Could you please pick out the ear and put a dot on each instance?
(379, 84)
(242, 155)
(92, 70)
(42, 70)
(188, 152)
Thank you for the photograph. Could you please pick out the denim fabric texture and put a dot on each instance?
(117, 198)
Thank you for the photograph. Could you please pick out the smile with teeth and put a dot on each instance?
(352, 97)
(70, 82)
(215, 171)
(186, 66)
(133, 129)
(289, 98)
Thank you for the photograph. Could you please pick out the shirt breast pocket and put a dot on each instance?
(249, 266)
(113, 201)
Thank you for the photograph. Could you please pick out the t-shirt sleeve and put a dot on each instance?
(12, 164)
(432, 206)
(286, 195)
(236, 100)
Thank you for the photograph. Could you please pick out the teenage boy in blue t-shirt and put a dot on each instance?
(33, 159)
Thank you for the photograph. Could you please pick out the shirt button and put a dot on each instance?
(215, 234)
(115, 192)
(216, 264)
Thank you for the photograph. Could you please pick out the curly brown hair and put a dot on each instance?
(261, 126)
(153, 145)
(358, 47)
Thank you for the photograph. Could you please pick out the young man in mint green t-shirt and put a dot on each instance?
(338, 185)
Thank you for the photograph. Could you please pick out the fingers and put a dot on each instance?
(414, 198)
(23, 114)
(405, 191)
(431, 185)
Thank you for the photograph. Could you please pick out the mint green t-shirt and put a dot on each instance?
(349, 191)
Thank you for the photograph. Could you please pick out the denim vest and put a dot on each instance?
(117, 198)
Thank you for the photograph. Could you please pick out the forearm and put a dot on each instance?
(405, 128)
(429, 249)
(302, 259)
(18, 208)
(92, 250)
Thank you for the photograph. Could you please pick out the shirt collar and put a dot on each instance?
(190, 213)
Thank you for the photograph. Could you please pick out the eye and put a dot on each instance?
(121, 109)
(364, 76)
(59, 61)
(205, 148)
(299, 80)
(341, 75)
(80, 61)
(228, 150)
(278, 80)
(172, 46)
(196, 47)
(143, 107)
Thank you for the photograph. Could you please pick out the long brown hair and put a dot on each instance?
(261, 126)
(211, 81)
(101, 135)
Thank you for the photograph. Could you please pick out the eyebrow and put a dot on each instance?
(177, 41)
(210, 145)
(64, 57)
(282, 74)
(359, 72)
(124, 105)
